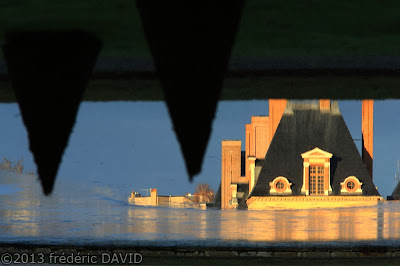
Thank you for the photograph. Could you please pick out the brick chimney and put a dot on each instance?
(154, 197)
(367, 130)
(230, 168)
(257, 142)
(276, 109)
(324, 105)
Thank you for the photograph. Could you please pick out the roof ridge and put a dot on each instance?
(310, 105)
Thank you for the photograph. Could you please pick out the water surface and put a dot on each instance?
(92, 213)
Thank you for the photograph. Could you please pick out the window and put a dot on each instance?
(316, 172)
(280, 186)
(351, 185)
(316, 180)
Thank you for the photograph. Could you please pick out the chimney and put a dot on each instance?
(367, 130)
(230, 168)
(260, 134)
(324, 105)
(154, 197)
(249, 149)
(276, 109)
(257, 143)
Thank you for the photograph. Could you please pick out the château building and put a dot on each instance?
(300, 156)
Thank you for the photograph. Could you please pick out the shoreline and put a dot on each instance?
(272, 250)
(122, 67)
(248, 78)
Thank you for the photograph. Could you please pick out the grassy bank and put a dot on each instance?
(268, 28)
(246, 88)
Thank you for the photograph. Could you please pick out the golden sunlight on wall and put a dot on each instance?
(344, 224)
(391, 228)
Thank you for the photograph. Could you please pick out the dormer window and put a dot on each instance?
(316, 172)
(280, 186)
(351, 185)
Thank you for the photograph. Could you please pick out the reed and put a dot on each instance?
(15, 167)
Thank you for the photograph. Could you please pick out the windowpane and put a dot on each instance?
(280, 185)
(316, 180)
(350, 185)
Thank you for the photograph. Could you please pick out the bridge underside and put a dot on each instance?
(146, 87)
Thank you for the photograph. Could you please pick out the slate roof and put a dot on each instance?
(396, 193)
(302, 128)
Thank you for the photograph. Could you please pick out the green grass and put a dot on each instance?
(312, 28)
(246, 88)
(116, 22)
(268, 27)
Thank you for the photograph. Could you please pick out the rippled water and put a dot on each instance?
(93, 213)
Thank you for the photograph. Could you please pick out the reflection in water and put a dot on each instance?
(92, 212)
(349, 224)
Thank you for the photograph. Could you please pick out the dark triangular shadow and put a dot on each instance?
(49, 72)
(191, 44)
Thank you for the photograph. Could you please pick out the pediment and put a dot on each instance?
(316, 153)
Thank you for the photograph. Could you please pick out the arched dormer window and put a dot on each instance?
(316, 172)
(280, 186)
(351, 185)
